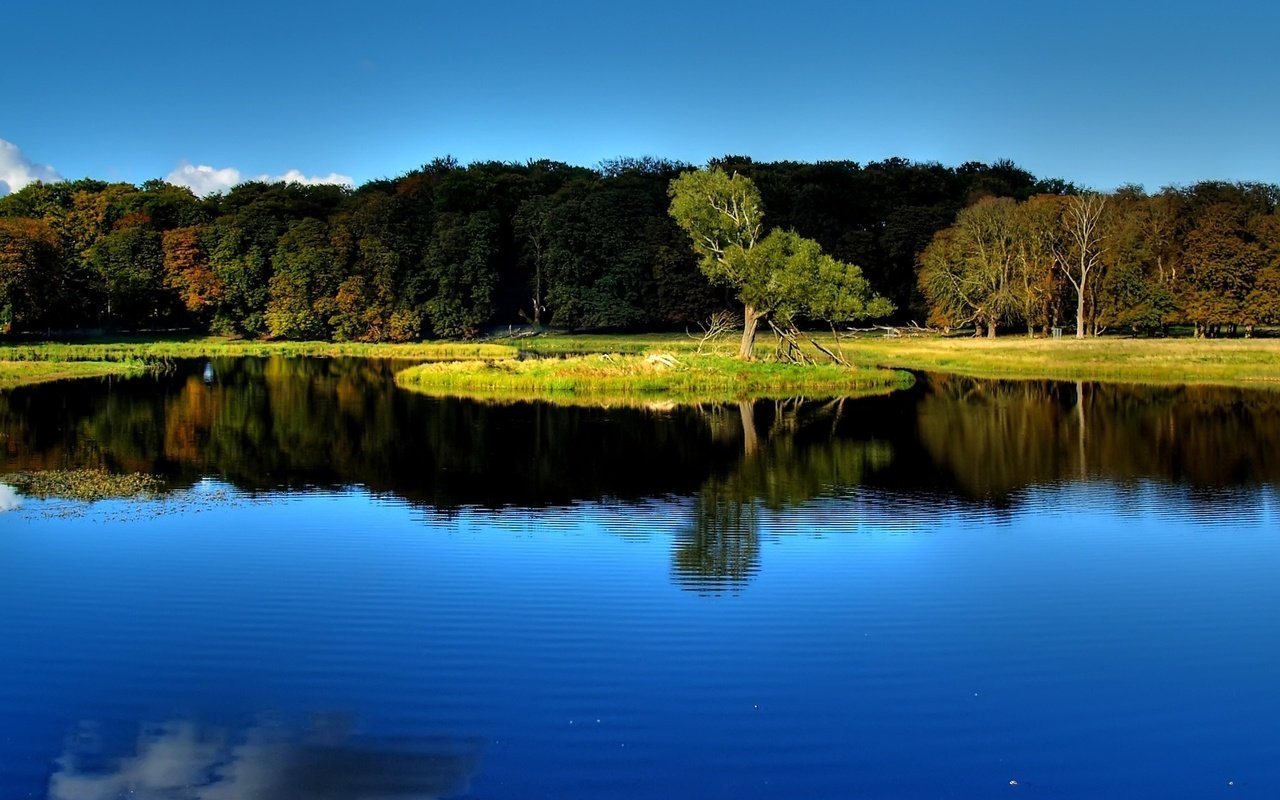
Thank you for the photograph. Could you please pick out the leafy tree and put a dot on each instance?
(1039, 288)
(724, 218)
(459, 265)
(187, 270)
(969, 272)
(127, 266)
(1221, 260)
(303, 283)
(239, 257)
(30, 263)
(1262, 304)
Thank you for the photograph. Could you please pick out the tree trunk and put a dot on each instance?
(750, 439)
(991, 329)
(1081, 429)
(750, 323)
(1080, 320)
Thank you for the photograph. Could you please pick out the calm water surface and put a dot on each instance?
(969, 589)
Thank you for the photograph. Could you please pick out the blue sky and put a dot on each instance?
(1098, 93)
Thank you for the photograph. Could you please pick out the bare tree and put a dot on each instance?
(1082, 259)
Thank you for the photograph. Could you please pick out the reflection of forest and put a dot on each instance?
(993, 438)
(267, 424)
(273, 423)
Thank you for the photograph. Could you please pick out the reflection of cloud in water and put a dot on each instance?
(9, 498)
(185, 761)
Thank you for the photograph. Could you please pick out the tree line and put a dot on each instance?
(450, 250)
(1207, 256)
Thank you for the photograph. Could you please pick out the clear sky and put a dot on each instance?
(1095, 92)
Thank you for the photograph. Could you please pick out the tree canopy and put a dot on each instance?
(782, 275)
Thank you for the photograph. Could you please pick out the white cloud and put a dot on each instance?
(9, 498)
(16, 170)
(205, 180)
(185, 761)
(294, 176)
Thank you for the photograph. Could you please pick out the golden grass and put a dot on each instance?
(1234, 362)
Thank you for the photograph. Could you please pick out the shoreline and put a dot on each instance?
(1244, 363)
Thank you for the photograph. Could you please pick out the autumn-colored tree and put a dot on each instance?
(1039, 282)
(1262, 303)
(970, 272)
(30, 266)
(188, 272)
(1222, 260)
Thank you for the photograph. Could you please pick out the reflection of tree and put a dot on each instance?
(185, 761)
(721, 548)
(800, 456)
(994, 438)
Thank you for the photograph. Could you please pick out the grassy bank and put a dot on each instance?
(22, 364)
(21, 373)
(619, 379)
(1228, 362)
(208, 347)
(1233, 362)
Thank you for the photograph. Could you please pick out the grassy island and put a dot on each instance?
(615, 378)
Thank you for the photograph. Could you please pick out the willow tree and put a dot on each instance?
(782, 274)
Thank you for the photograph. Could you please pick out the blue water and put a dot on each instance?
(1093, 640)
(971, 589)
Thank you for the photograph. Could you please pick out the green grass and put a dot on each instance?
(21, 373)
(1232, 362)
(207, 347)
(623, 379)
(22, 364)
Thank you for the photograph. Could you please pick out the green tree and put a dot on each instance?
(781, 272)
(303, 284)
(459, 264)
(128, 267)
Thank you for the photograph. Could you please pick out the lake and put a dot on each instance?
(970, 588)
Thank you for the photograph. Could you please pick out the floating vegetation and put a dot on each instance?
(84, 484)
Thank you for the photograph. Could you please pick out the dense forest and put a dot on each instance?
(451, 250)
